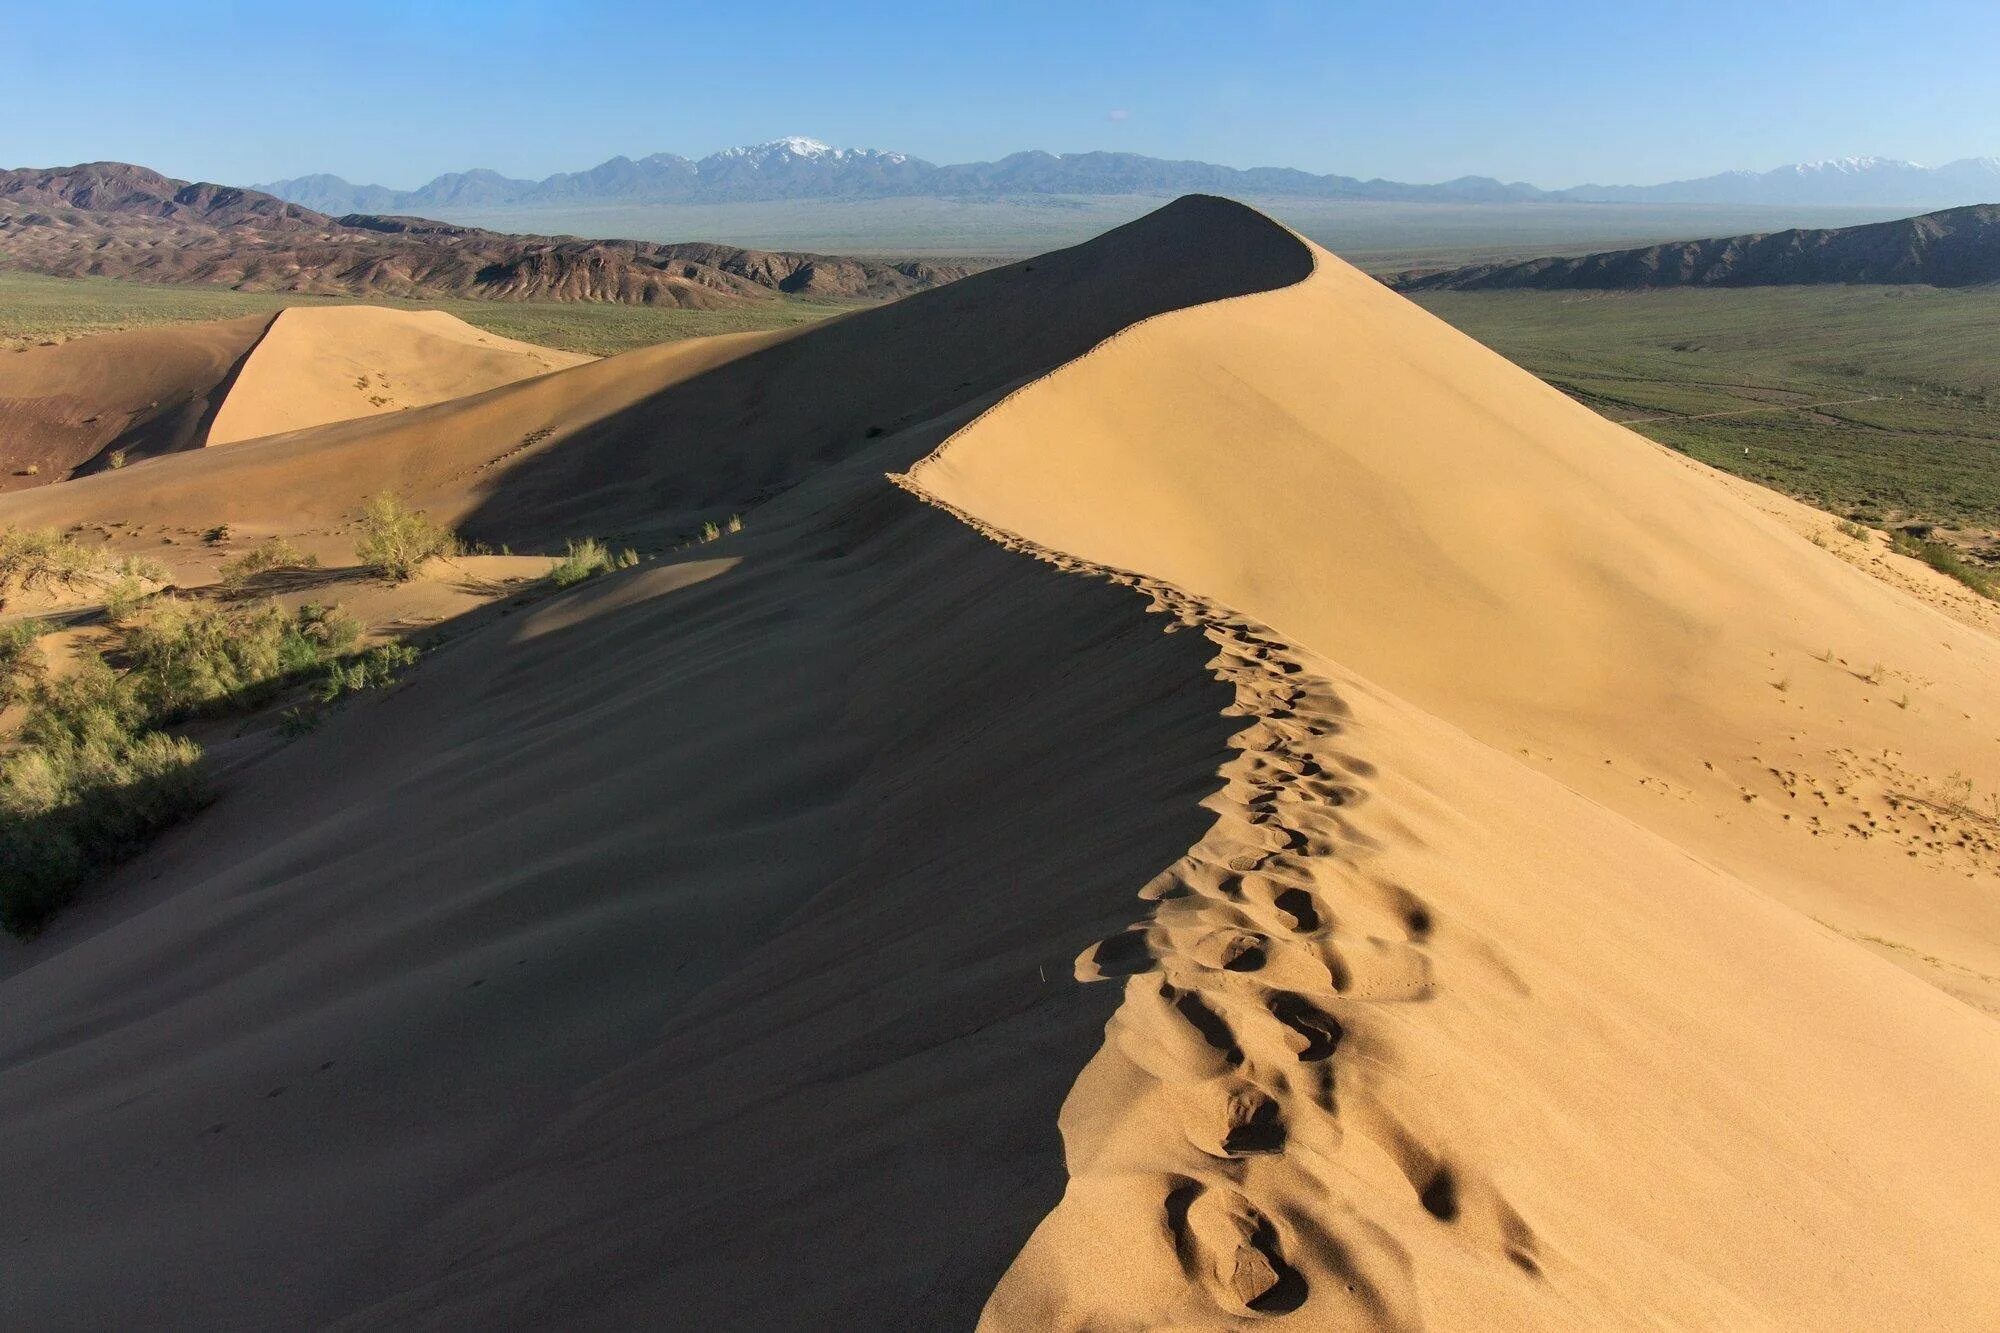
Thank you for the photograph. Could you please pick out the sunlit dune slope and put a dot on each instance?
(1525, 1037)
(319, 364)
(1337, 462)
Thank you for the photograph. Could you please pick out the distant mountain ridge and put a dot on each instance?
(1957, 247)
(801, 168)
(112, 219)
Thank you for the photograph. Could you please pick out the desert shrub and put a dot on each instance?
(88, 781)
(396, 539)
(191, 657)
(216, 535)
(1853, 531)
(21, 664)
(44, 558)
(374, 669)
(588, 558)
(271, 553)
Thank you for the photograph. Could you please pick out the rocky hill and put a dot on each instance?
(1959, 247)
(111, 219)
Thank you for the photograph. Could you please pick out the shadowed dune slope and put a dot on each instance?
(609, 970)
(145, 392)
(656, 440)
(1504, 1025)
(319, 364)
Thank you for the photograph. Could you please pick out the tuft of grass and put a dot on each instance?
(1852, 530)
(117, 458)
(588, 558)
(88, 781)
(396, 539)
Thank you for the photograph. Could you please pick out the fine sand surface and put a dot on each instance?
(702, 947)
(333, 363)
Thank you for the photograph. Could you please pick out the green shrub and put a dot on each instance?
(190, 657)
(21, 664)
(396, 539)
(32, 558)
(373, 670)
(86, 784)
(271, 553)
(588, 558)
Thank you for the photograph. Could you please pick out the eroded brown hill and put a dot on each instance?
(1959, 247)
(110, 219)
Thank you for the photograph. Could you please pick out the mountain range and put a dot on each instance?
(113, 219)
(1958, 247)
(800, 168)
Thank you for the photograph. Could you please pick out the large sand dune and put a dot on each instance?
(701, 947)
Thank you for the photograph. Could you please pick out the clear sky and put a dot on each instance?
(1555, 92)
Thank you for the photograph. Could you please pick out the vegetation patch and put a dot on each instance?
(43, 559)
(92, 774)
(1946, 560)
(273, 553)
(396, 539)
(588, 558)
(88, 780)
(191, 657)
(21, 664)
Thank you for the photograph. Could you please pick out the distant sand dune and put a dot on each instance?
(320, 364)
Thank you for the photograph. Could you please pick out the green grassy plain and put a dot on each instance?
(1760, 382)
(37, 309)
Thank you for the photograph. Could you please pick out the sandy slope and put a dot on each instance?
(1621, 1020)
(700, 947)
(332, 363)
(143, 392)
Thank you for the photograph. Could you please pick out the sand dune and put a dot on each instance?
(96, 404)
(148, 391)
(318, 364)
(702, 946)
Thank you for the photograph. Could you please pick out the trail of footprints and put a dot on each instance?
(1249, 998)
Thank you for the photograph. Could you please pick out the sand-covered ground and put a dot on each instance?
(1199, 797)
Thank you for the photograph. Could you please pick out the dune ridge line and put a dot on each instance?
(1240, 987)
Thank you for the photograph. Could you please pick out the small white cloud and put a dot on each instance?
(1120, 114)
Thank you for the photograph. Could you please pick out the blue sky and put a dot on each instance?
(1556, 92)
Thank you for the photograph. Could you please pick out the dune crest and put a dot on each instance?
(1499, 994)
